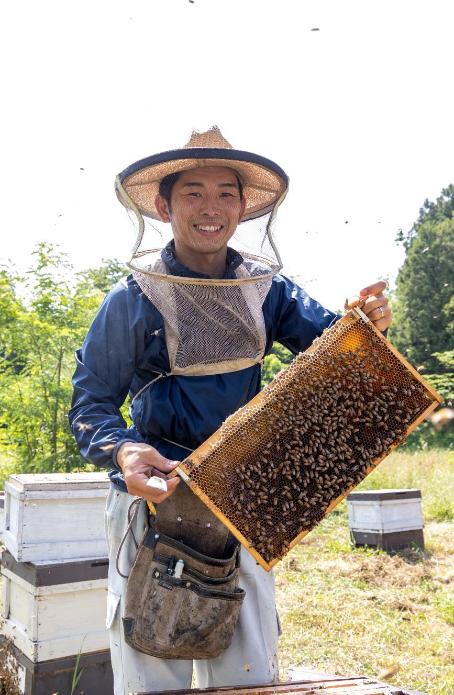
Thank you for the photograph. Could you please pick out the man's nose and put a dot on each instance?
(210, 205)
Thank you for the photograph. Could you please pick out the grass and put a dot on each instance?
(358, 611)
(77, 672)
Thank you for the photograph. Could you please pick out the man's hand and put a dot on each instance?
(141, 461)
(374, 304)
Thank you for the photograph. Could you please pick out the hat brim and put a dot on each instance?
(264, 182)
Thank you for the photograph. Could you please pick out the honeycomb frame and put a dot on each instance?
(277, 466)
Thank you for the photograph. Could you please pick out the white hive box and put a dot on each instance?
(54, 610)
(388, 519)
(55, 516)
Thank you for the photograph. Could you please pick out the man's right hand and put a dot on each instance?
(141, 461)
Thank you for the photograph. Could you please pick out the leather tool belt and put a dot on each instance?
(181, 603)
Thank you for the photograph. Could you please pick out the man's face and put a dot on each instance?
(205, 209)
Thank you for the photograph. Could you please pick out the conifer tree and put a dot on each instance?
(424, 298)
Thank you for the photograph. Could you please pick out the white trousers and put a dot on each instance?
(252, 655)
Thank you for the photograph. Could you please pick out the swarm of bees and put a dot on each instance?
(276, 467)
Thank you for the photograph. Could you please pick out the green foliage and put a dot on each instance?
(424, 298)
(104, 277)
(12, 352)
(423, 306)
(273, 363)
(443, 383)
(446, 359)
(426, 437)
(442, 209)
(39, 335)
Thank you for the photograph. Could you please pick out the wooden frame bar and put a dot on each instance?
(197, 457)
(335, 685)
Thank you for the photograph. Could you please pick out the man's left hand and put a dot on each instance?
(374, 304)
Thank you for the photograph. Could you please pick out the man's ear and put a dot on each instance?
(162, 207)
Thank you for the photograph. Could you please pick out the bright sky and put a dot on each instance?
(359, 113)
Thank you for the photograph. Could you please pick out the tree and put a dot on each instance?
(273, 363)
(424, 298)
(104, 277)
(39, 335)
(423, 327)
(12, 350)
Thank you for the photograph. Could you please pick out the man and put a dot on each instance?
(185, 336)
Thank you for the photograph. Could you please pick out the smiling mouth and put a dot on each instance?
(209, 228)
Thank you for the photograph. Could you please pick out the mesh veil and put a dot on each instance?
(212, 325)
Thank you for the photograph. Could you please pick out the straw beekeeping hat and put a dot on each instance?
(264, 182)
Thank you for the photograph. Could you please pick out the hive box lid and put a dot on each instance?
(58, 572)
(37, 482)
(383, 495)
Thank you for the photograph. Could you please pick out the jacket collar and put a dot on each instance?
(233, 260)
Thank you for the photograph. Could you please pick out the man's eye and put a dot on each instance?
(194, 193)
(226, 194)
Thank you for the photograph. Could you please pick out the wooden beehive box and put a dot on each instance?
(55, 516)
(278, 465)
(55, 676)
(387, 519)
(54, 610)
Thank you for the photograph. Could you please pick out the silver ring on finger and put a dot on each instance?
(382, 312)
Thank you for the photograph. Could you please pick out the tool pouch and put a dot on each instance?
(181, 604)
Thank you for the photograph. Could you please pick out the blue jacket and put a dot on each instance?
(125, 350)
